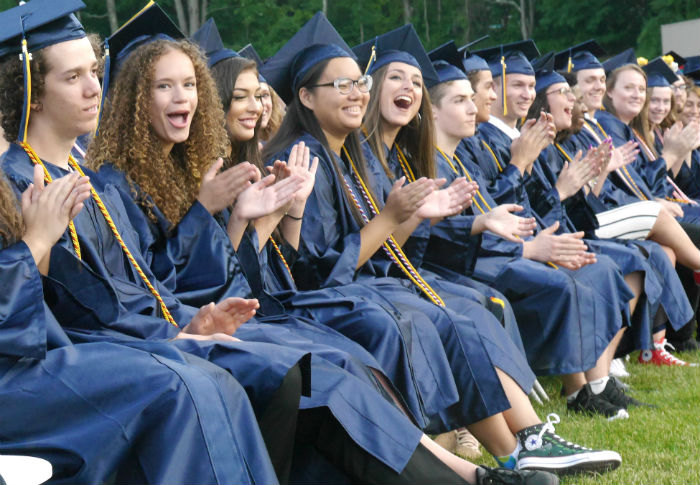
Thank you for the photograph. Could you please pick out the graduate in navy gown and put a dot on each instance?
(557, 338)
(326, 97)
(104, 291)
(100, 411)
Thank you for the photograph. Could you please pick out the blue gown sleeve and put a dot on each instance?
(23, 331)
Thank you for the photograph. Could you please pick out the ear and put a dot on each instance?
(307, 98)
(36, 106)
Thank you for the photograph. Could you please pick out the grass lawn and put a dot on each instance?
(658, 446)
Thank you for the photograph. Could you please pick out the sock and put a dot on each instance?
(509, 461)
(572, 396)
(598, 385)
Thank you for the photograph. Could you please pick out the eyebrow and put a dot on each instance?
(73, 69)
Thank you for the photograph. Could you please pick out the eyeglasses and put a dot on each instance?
(564, 91)
(345, 85)
(679, 87)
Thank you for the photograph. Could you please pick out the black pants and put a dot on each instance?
(319, 428)
(691, 290)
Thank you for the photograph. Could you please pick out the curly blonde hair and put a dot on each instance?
(128, 141)
(11, 223)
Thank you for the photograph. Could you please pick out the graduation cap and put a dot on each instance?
(147, 25)
(545, 74)
(447, 62)
(510, 58)
(208, 38)
(513, 58)
(624, 58)
(579, 57)
(677, 58)
(398, 45)
(249, 52)
(659, 74)
(472, 62)
(316, 41)
(34, 26)
(691, 68)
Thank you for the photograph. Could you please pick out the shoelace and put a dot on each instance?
(553, 419)
(666, 355)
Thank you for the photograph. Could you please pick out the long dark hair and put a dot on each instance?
(416, 139)
(541, 104)
(299, 120)
(225, 74)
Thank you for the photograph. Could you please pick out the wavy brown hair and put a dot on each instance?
(12, 85)
(276, 116)
(128, 141)
(416, 139)
(11, 223)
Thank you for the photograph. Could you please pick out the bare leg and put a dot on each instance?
(521, 414)
(463, 468)
(573, 382)
(636, 284)
(668, 232)
(494, 434)
(602, 366)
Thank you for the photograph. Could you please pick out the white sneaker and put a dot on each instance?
(24, 470)
(617, 369)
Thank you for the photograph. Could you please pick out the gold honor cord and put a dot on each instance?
(279, 253)
(390, 246)
(28, 86)
(47, 179)
(110, 222)
(478, 193)
(495, 158)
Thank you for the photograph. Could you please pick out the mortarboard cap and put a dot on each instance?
(691, 68)
(579, 57)
(147, 25)
(622, 59)
(398, 45)
(672, 57)
(659, 74)
(315, 42)
(472, 62)
(513, 58)
(447, 62)
(208, 38)
(33, 26)
(249, 52)
(510, 58)
(545, 75)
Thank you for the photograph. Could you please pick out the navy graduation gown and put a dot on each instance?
(328, 257)
(101, 410)
(563, 322)
(259, 366)
(652, 171)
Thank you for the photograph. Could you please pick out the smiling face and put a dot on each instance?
(691, 108)
(561, 104)
(659, 104)
(266, 99)
(484, 95)
(401, 94)
(628, 94)
(680, 93)
(173, 98)
(246, 107)
(455, 113)
(520, 93)
(337, 114)
(591, 82)
(70, 100)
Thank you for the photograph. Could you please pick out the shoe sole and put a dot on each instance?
(574, 464)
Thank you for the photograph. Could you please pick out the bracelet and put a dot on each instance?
(294, 218)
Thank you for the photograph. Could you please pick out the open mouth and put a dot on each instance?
(179, 119)
(353, 110)
(248, 123)
(403, 102)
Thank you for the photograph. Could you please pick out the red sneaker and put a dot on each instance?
(661, 356)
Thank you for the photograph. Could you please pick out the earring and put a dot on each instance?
(37, 107)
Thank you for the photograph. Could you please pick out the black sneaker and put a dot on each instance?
(542, 449)
(589, 403)
(502, 476)
(688, 345)
(616, 396)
